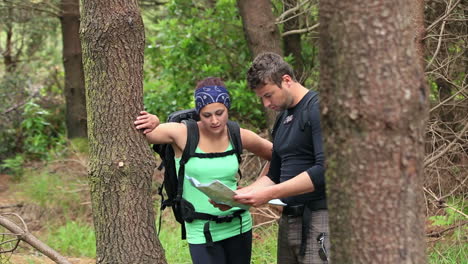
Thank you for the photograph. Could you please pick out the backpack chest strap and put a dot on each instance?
(214, 155)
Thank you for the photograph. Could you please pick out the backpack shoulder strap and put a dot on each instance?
(236, 140)
(193, 137)
(278, 120)
(234, 136)
(304, 119)
(189, 151)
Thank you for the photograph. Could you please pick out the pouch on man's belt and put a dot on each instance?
(294, 210)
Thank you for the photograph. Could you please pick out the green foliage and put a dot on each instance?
(454, 248)
(451, 216)
(10, 93)
(80, 145)
(14, 165)
(190, 42)
(39, 134)
(245, 106)
(162, 102)
(28, 26)
(34, 134)
(73, 239)
(35, 57)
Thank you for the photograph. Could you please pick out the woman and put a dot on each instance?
(231, 241)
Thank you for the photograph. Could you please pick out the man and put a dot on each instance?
(296, 173)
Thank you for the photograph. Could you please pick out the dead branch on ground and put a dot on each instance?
(24, 235)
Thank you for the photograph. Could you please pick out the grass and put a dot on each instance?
(449, 252)
(58, 195)
(264, 244)
(453, 247)
(73, 239)
(176, 250)
(41, 188)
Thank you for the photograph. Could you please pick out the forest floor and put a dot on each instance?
(32, 215)
(37, 218)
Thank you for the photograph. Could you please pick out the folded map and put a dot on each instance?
(222, 194)
(218, 192)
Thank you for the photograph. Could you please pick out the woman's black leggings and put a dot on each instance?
(234, 250)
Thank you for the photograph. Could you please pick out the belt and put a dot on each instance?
(294, 210)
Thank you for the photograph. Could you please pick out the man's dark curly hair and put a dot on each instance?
(267, 68)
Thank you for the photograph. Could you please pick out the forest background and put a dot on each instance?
(44, 165)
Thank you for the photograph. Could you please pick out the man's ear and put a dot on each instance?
(287, 80)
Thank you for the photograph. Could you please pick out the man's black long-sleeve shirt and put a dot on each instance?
(298, 147)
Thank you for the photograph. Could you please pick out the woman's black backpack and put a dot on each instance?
(173, 180)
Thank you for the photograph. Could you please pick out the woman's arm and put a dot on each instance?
(156, 133)
(256, 144)
(168, 133)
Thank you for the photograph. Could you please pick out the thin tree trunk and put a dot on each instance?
(75, 97)
(10, 59)
(261, 33)
(292, 43)
(374, 106)
(121, 163)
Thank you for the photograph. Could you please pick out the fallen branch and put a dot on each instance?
(20, 104)
(10, 241)
(11, 205)
(440, 233)
(27, 237)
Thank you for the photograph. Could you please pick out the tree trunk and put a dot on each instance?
(121, 163)
(417, 13)
(374, 106)
(8, 58)
(292, 43)
(261, 33)
(75, 97)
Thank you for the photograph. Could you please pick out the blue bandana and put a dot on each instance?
(211, 94)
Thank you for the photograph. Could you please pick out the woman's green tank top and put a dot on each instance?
(206, 170)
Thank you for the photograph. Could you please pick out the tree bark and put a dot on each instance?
(374, 107)
(292, 43)
(260, 29)
(121, 163)
(417, 13)
(261, 33)
(75, 97)
(10, 59)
